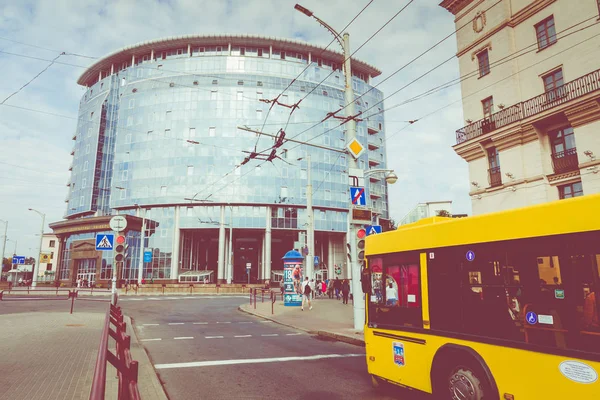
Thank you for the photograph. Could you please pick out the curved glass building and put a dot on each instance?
(159, 141)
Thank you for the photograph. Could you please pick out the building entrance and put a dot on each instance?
(86, 271)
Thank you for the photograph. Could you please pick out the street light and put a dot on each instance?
(390, 175)
(37, 259)
(359, 312)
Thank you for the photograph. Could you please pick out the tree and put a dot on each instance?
(443, 213)
(6, 264)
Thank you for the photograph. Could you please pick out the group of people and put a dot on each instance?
(310, 289)
(81, 283)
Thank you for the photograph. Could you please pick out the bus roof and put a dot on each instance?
(579, 214)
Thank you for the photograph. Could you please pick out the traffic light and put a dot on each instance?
(361, 234)
(120, 248)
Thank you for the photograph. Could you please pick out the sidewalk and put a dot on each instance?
(329, 317)
(52, 355)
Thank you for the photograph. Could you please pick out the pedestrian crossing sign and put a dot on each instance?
(105, 241)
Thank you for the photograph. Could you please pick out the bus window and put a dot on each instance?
(549, 270)
(396, 297)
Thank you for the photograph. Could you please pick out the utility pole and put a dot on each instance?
(3, 243)
(37, 259)
(310, 224)
(142, 240)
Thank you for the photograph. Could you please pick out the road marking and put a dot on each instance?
(172, 298)
(213, 337)
(252, 361)
(293, 334)
(245, 322)
(149, 324)
(149, 340)
(176, 323)
(223, 322)
(243, 336)
(270, 334)
(266, 321)
(183, 337)
(200, 323)
(153, 298)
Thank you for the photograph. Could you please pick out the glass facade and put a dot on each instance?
(163, 128)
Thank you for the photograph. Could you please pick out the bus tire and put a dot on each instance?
(463, 379)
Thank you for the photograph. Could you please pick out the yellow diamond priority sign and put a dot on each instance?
(355, 148)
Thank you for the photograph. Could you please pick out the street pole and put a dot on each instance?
(142, 240)
(310, 224)
(37, 260)
(230, 248)
(3, 244)
(359, 305)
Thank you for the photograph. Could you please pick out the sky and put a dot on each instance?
(35, 145)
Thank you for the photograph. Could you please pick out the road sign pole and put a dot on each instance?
(142, 239)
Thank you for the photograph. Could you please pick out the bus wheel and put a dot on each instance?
(465, 383)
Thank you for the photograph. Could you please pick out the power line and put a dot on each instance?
(45, 48)
(474, 73)
(32, 79)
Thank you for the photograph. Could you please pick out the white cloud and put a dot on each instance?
(421, 153)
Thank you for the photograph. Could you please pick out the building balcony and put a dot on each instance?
(565, 161)
(494, 177)
(374, 194)
(374, 144)
(570, 91)
(71, 167)
(373, 127)
(374, 163)
(74, 137)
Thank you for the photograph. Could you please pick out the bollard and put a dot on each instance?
(262, 296)
(191, 287)
(72, 295)
(273, 299)
(250, 296)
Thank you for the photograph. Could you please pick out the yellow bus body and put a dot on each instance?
(521, 373)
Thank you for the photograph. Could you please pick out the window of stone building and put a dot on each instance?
(570, 190)
(494, 174)
(546, 33)
(52, 243)
(484, 63)
(488, 106)
(553, 84)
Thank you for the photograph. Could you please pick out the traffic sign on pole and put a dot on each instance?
(105, 241)
(373, 229)
(358, 196)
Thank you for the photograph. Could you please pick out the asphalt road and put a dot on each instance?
(205, 348)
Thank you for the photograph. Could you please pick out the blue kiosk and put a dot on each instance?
(292, 278)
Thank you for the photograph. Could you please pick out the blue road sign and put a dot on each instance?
(18, 260)
(147, 256)
(358, 196)
(316, 261)
(531, 318)
(470, 255)
(373, 229)
(105, 241)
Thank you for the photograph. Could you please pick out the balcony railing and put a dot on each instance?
(565, 161)
(570, 91)
(495, 176)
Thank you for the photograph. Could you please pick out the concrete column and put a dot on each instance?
(271, 51)
(152, 55)
(99, 76)
(132, 60)
(175, 255)
(267, 256)
(229, 49)
(189, 50)
(221, 263)
(331, 256)
(309, 57)
(112, 69)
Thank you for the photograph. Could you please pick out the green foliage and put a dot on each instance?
(443, 213)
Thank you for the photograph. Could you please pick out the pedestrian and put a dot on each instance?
(312, 288)
(345, 291)
(323, 287)
(337, 286)
(78, 282)
(390, 295)
(281, 286)
(330, 289)
(21, 281)
(306, 290)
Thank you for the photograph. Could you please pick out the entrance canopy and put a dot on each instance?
(205, 276)
(276, 276)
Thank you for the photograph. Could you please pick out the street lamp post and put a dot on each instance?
(359, 314)
(37, 260)
(3, 244)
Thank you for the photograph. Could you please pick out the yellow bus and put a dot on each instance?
(497, 306)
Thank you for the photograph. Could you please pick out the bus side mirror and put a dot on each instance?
(365, 281)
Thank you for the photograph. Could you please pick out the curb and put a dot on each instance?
(332, 335)
(146, 374)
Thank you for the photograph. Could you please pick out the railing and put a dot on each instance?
(495, 176)
(565, 161)
(127, 369)
(552, 98)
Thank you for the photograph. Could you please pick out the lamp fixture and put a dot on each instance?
(501, 106)
(510, 175)
(590, 154)
(514, 189)
(474, 183)
(478, 197)
(469, 121)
